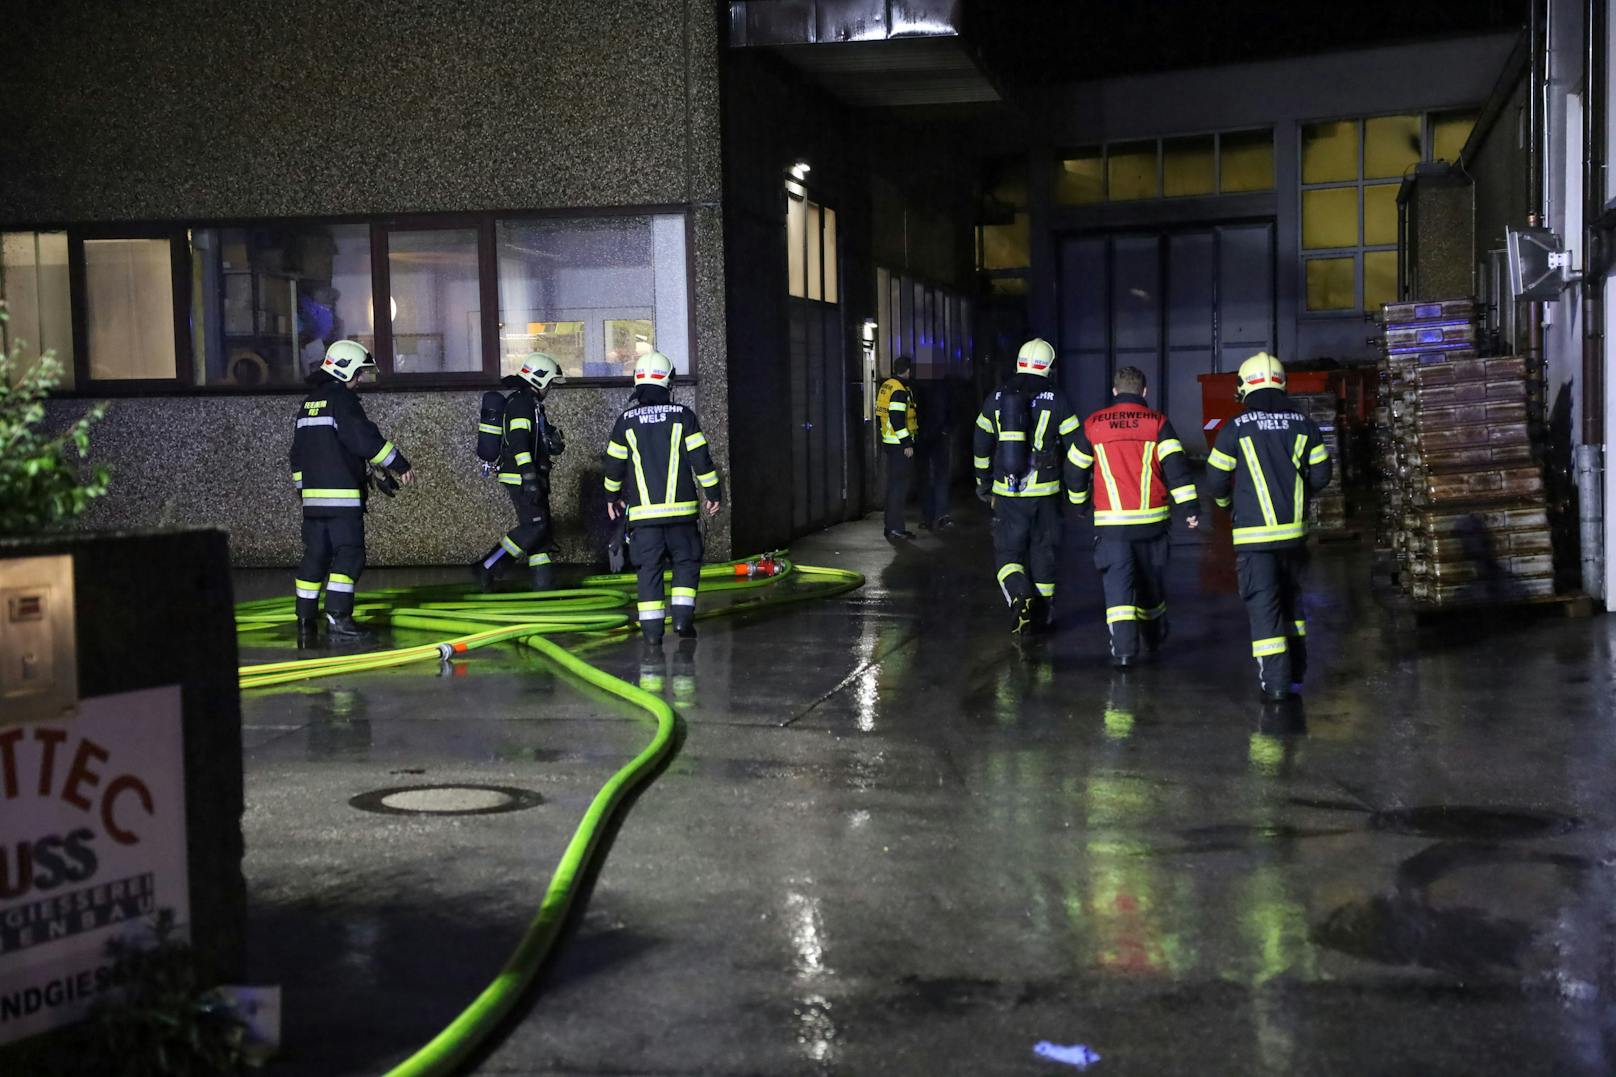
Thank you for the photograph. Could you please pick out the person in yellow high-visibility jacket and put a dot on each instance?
(899, 420)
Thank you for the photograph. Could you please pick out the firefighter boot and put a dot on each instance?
(1022, 615)
(486, 571)
(308, 633)
(1154, 634)
(1298, 648)
(1274, 677)
(342, 628)
(543, 577)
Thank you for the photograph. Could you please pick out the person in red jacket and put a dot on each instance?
(1142, 479)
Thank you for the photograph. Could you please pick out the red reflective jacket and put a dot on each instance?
(1133, 455)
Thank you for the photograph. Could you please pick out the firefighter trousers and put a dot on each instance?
(529, 540)
(899, 468)
(1271, 586)
(1026, 540)
(655, 546)
(333, 556)
(1133, 574)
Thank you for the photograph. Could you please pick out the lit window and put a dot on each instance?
(435, 306)
(1188, 165)
(1007, 246)
(1330, 283)
(1081, 178)
(1391, 145)
(1449, 132)
(1330, 217)
(129, 309)
(1330, 151)
(1131, 171)
(831, 268)
(1379, 278)
(1246, 161)
(815, 234)
(34, 285)
(796, 255)
(1380, 214)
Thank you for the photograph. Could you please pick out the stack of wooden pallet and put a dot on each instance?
(1327, 512)
(1463, 502)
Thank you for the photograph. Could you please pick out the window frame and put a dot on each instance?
(829, 254)
(483, 221)
(1161, 141)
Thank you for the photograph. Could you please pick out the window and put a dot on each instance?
(1351, 172)
(434, 308)
(34, 286)
(129, 309)
(1189, 166)
(812, 264)
(596, 293)
(931, 325)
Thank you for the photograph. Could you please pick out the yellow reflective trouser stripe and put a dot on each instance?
(510, 478)
(1131, 516)
(1169, 447)
(982, 421)
(619, 452)
(1010, 570)
(1105, 473)
(519, 424)
(1262, 648)
(538, 559)
(1296, 462)
(674, 448)
(1147, 460)
(1319, 455)
(1046, 589)
(489, 428)
(639, 468)
(1153, 612)
(308, 492)
(1245, 535)
(523, 458)
(1113, 614)
(512, 548)
(1299, 628)
(1220, 460)
(1259, 482)
(686, 592)
(1183, 494)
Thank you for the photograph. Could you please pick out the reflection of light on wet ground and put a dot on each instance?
(816, 1030)
(866, 695)
(363, 937)
(859, 818)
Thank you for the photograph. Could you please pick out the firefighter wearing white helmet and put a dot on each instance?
(518, 441)
(658, 472)
(1265, 464)
(337, 454)
(1020, 447)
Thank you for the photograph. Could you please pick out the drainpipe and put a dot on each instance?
(1590, 455)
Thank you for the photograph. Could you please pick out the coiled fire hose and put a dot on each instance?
(597, 613)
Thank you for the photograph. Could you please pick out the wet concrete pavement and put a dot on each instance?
(895, 842)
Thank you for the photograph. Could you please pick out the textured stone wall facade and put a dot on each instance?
(179, 110)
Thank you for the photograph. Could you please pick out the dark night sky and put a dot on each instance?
(1031, 42)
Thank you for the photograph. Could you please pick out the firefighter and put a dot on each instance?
(336, 451)
(1140, 466)
(1023, 433)
(656, 460)
(526, 444)
(1267, 461)
(899, 418)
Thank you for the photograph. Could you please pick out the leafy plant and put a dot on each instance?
(42, 486)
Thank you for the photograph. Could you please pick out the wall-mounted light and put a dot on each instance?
(867, 331)
(800, 170)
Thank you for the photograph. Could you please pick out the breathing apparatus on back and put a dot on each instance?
(1024, 447)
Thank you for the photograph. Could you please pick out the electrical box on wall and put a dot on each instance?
(39, 675)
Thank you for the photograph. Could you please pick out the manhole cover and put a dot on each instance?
(447, 800)
(1475, 824)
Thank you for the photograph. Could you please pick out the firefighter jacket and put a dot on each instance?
(1266, 462)
(655, 459)
(1129, 465)
(526, 440)
(895, 410)
(333, 446)
(1047, 427)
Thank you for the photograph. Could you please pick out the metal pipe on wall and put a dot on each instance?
(1590, 455)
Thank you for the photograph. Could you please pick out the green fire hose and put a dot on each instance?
(597, 613)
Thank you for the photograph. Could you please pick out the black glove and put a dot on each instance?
(1083, 511)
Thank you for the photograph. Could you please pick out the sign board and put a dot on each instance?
(92, 846)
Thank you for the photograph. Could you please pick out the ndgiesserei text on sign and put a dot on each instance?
(92, 845)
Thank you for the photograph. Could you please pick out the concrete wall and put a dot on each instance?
(1282, 93)
(190, 111)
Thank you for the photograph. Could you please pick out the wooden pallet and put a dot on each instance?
(1409, 615)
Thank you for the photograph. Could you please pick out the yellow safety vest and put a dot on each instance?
(883, 414)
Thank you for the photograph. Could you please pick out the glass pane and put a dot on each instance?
(435, 305)
(1380, 214)
(1449, 132)
(1391, 145)
(796, 273)
(1379, 278)
(830, 256)
(1007, 182)
(129, 308)
(587, 290)
(1131, 171)
(1006, 246)
(816, 240)
(267, 301)
(1007, 286)
(1187, 166)
(1246, 161)
(1330, 284)
(1330, 151)
(1081, 178)
(34, 285)
(1330, 218)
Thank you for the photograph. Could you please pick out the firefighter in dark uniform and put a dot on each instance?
(656, 460)
(1267, 461)
(1022, 436)
(1128, 456)
(527, 442)
(335, 448)
(899, 420)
